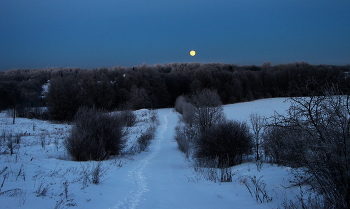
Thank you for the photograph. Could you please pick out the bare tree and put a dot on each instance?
(208, 109)
(258, 122)
(321, 123)
(224, 144)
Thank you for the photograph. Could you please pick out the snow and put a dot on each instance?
(40, 174)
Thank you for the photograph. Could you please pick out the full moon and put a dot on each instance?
(192, 53)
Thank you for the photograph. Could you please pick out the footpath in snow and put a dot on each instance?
(164, 179)
(39, 176)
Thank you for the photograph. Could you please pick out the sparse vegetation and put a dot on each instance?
(225, 144)
(207, 134)
(128, 117)
(95, 136)
(315, 136)
(257, 188)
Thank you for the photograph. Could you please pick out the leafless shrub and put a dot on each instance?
(227, 142)
(65, 189)
(259, 165)
(97, 173)
(22, 196)
(311, 201)
(90, 174)
(10, 143)
(95, 136)
(207, 109)
(4, 179)
(185, 137)
(19, 194)
(284, 146)
(144, 140)
(257, 188)
(18, 137)
(206, 170)
(2, 137)
(59, 204)
(226, 175)
(128, 117)
(179, 103)
(21, 173)
(42, 189)
(43, 136)
(318, 128)
(189, 114)
(154, 117)
(3, 170)
(258, 123)
(84, 175)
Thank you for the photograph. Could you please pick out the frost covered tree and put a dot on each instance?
(318, 127)
(208, 109)
(224, 144)
(258, 122)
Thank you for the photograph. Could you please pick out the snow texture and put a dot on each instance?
(40, 174)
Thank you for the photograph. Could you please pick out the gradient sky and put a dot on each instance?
(105, 33)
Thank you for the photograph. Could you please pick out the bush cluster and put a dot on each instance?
(314, 136)
(128, 117)
(95, 135)
(284, 146)
(144, 140)
(206, 134)
(225, 143)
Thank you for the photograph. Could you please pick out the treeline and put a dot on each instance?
(155, 86)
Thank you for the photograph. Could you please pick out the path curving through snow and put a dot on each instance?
(157, 178)
(140, 183)
(162, 178)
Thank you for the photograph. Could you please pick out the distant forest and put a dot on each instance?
(156, 86)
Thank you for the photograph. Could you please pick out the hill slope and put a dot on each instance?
(40, 175)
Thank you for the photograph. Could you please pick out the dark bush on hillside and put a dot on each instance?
(95, 136)
(185, 136)
(144, 140)
(225, 144)
(284, 146)
(315, 136)
(128, 117)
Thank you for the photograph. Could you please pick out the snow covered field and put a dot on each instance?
(40, 174)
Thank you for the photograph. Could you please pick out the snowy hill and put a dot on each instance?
(40, 174)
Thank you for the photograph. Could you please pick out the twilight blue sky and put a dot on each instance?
(105, 33)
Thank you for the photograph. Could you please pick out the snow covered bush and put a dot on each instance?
(318, 128)
(225, 143)
(144, 140)
(284, 146)
(95, 136)
(128, 117)
(207, 109)
(185, 137)
(257, 188)
(200, 112)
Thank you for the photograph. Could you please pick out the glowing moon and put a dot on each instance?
(192, 53)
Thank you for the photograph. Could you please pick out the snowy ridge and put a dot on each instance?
(140, 184)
